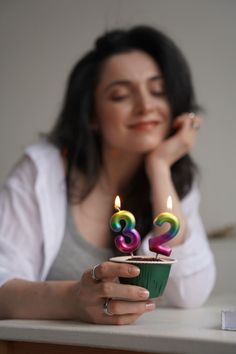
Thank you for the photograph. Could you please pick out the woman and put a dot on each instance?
(125, 128)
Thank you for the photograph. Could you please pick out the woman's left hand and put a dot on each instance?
(99, 298)
(179, 144)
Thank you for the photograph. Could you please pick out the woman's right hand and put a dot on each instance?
(126, 302)
(173, 148)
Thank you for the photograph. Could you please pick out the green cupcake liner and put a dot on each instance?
(153, 274)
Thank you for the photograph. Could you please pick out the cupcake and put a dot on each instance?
(154, 272)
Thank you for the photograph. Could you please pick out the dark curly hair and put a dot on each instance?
(72, 132)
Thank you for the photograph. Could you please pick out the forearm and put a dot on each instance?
(36, 300)
(161, 187)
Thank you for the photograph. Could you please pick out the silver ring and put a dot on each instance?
(93, 274)
(194, 125)
(105, 307)
(192, 115)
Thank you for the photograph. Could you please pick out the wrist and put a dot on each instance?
(160, 169)
(60, 297)
(71, 291)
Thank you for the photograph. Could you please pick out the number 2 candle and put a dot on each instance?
(155, 243)
(128, 230)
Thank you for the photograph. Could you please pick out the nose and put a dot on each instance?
(144, 103)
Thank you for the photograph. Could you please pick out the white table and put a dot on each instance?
(165, 330)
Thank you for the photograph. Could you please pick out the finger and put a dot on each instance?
(187, 120)
(182, 121)
(179, 122)
(119, 319)
(117, 307)
(110, 270)
(196, 123)
(193, 121)
(122, 291)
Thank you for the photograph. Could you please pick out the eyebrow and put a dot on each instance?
(128, 83)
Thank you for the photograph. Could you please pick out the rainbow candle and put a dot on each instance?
(128, 230)
(155, 243)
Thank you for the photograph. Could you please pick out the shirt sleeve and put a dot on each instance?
(21, 246)
(193, 276)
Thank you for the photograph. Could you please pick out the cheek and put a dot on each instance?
(166, 131)
(165, 108)
(111, 116)
(109, 123)
(166, 113)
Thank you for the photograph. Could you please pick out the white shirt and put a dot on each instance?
(32, 224)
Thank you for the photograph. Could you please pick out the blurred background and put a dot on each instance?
(41, 40)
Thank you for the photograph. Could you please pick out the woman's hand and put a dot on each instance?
(126, 302)
(179, 144)
(158, 163)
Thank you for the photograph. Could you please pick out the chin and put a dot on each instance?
(141, 149)
(135, 145)
(144, 146)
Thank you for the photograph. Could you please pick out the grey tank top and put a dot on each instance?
(75, 254)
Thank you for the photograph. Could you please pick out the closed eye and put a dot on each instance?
(158, 93)
(119, 98)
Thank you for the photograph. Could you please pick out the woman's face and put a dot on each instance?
(132, 110)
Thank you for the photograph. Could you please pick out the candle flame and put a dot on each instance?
(169, 203)
(117, 203)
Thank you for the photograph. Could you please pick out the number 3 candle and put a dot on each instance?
(128, 230)
(155, 243)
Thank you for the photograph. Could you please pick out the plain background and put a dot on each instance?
(41, 40)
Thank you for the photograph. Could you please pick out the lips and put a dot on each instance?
(144, 125)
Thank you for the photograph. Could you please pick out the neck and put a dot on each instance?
(118, 169)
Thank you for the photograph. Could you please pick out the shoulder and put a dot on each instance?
(44, 154)
(48, 163)
(37, 164)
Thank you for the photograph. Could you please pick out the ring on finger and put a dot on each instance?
(192, 115)
(194, 124)
(105, 307)
(93, 272)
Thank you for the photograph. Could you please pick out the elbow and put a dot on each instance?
(188, 301)
(194, 290)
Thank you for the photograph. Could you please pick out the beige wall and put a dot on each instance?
(40, 41)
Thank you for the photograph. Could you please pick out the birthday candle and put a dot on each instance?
(128, 230)
(155, 243)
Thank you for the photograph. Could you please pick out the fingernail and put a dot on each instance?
(150, 306)
(143, 293)
(134, 270)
